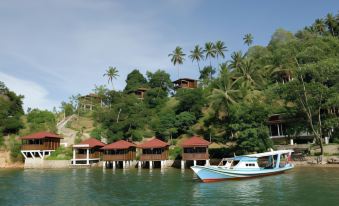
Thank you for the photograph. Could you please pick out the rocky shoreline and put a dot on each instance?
(15, 165)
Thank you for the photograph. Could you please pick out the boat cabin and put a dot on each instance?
(87, 152)
(119, 153)
(266, 160)
(185, 83)
(39, 145)
(195, 149)
(154, 150)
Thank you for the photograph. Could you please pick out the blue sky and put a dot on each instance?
(50, 50)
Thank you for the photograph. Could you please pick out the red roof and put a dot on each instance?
(154, 143)
(92, 142)
(195, 141)
(41, 135)
(121, 144)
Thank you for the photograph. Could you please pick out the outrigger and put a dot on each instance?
(246, 166)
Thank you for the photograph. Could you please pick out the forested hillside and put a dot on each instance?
(296, 74)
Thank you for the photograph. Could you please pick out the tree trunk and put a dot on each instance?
(118, 115)
(178, 72)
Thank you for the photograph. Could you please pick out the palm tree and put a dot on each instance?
(220, 49)
(210, 51)
(331, 23)
(224, 66)
(111, 73)
(248, 75)
(197, 54)
(319, 26)
(177, 57)
(224, 93)
(282, 72)
(237, 59)
(206, 75)
(248, 39)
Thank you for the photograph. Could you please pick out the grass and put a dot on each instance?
(61, 153)
(83, 124)
(175, 153)
(15, 149)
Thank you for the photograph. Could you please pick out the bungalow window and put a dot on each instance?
(195, 150)
(154, 151)
(277, 130)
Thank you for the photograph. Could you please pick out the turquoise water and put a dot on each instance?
(302, 186)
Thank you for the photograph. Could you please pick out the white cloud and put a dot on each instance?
(36, 96)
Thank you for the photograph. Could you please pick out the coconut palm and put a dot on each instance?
(224, 66)
(247, 75)
(220, 49)
(111, 73)
(319, 26)
(177, 57)
(197, 54)
(210, 51)
(236, 59)
(206, 75)
(224, 93)
(331, 23)
(282, 72)
(248, 39)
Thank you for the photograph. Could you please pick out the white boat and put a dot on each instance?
(246, 166)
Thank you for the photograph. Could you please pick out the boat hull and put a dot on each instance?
(215, 173)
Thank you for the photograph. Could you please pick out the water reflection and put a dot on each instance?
(164, 187)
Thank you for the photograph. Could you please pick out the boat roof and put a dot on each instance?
(264, 154)
(244, 158)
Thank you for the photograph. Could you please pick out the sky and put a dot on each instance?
(50, 50)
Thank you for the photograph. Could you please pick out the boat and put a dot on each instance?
(246, 166)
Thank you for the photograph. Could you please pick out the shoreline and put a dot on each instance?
(296, 164)
(12, 166)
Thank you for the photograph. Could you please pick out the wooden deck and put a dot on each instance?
(119, 157)
(91, 156)
(154, 157)
(37, 147)
(195, 156)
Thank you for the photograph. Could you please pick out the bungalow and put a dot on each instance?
(195, 149)
(39, 145)
(87, 152)
(140, 93)
(89, 102)
(155, 151)
(185, 83)
(278, 126)
(120, 153)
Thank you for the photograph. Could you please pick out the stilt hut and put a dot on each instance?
(153, 151)
(39, 145)
(195, 149)
(185, 83)
(119, 153)
(87, 152)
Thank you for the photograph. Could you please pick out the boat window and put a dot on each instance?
(268, 162)
(263, 162)
(283, 160)
(235, 162)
